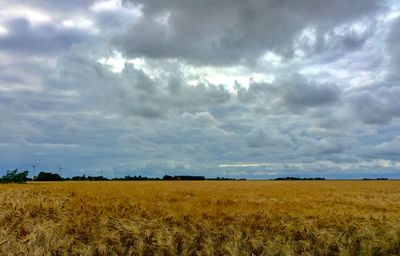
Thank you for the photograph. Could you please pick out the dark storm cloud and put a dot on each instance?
(133, 92)
(376, 105)
(299, 93)
(58, 5)
(290, 92)
(113, 20)
(393, 48)
(227, 32)
(24, 38)
(259, 137)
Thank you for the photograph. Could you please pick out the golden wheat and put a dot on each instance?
(201, 218)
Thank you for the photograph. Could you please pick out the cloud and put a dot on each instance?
(46, 38)
(291, 92)
(274, 139)
(388, 149)
(228, 32)
(377, 105)
(299, 93)
(393, 49)
(57, 5)
(134, 92)
(258, 89)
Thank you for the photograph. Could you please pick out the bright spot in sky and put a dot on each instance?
(31, 14)
(3, 30)
(78, 23)
(106, 5)
(115, 62)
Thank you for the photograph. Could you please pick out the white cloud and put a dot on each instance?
(80, 23)
(34, 15)
(3, 30)
(106, 5)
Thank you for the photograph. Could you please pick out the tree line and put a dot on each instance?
(298, 178)
(16, 176)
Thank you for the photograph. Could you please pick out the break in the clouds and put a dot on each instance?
(254, 89)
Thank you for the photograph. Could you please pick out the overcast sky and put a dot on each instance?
(256, 89)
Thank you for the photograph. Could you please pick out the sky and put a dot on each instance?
(256, 89)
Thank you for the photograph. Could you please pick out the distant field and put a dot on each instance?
(201, 218)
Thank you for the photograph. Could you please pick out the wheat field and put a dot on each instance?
(201, 218)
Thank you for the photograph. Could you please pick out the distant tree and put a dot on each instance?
(83, 177)
(189, 177)
(15, 177)
(167, 177)
(48, 176)
(298, 178)
(183, 177)
(375, 178)
(96, 178)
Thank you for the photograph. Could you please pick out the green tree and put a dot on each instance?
(13, 176)
(48, 176)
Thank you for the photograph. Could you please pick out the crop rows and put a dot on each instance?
(201, 218)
